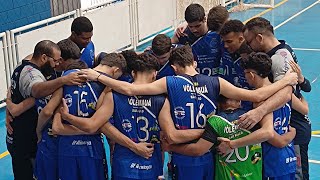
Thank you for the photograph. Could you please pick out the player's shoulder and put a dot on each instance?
(65, 73)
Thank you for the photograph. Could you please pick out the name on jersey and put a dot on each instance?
(197, 89)
(139, 102)
(230, 129)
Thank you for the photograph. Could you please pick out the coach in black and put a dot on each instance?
(28, 81)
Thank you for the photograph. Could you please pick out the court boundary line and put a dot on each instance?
(306, 49)
(265, 11)
(314, 161)
(297, 14)
(4, 154)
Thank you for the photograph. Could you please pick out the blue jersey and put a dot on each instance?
(87, 55)
(165, 70)
(208, 51)
(279, 161)
(49, 143)
(231, 70)
(192, 98)
(136, 117)
(82, 101)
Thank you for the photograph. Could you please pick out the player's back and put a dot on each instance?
(192, 98)
(208, 51)
(82, 101)
(240, 163)
(137, 118)
(279, 161)
(87, 55)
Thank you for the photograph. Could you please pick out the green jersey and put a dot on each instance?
(240, 163)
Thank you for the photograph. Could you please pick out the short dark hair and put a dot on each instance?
(217, 16)
(182, 56)
(114, 59)
(145, 62)
(130, 56)
(259, 62)
(161, 44)
(194, 12)
(69, 50)
(77, 64)
(259, 25)
(235, 26)
(81, 24)
(100, 57)
(45, 47)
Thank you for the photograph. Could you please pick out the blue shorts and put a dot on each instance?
(284, 177)
(74, 168)
(46, 166)
(121, 178)
(203, 172)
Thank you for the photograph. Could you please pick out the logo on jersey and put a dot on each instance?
(277, 123)
(179, 112)
(68, 99)
(126, 125)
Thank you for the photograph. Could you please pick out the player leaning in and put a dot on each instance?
(192, 96)
(141, 125)
(243, 162)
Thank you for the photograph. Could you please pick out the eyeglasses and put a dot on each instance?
(54, 60)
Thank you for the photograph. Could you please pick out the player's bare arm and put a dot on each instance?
(154, 88)
(142, 149)
(91, 125)
(171, 134)
(257, 95)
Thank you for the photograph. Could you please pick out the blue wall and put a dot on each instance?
(17, 13)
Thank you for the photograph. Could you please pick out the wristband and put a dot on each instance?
(98, 77)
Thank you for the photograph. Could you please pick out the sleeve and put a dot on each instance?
(305, 85)
(210, 134)
(280, 64)
(29, 76)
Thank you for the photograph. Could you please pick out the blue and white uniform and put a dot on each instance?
(208, 51)
(279, 163)
(137, 118)
(192, 98)
(46, 166)
(81, 156)
(87, 55)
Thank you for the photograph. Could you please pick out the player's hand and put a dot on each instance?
(144, 149)
(250, 119)
(89, 74)
(179, 32)
(224, 147)
(291, 78)
(292, 130)
(64, 110)
(73, 79)
(296, 68)
(9, 119)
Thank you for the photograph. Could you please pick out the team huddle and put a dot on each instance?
(222, 98)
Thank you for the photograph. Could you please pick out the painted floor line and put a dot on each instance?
(314, 161)
(265, 11)
(305, 49)
(297, 14)
(316, 135)
(4, 154)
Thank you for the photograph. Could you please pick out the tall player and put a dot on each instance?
(46, 165)
(192, 96)
(81, 33)
(82, 156)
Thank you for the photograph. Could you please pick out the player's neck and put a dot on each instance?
(36, 62)
(271, 43)
(143, 78)
(262, 82)
(190, 70)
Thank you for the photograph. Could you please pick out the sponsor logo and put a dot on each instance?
(141, 167)
(179, 112)
(80, 143)
(126, 125)
(68, 99)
